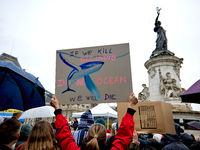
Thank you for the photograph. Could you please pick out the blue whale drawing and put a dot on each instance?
(86, 69)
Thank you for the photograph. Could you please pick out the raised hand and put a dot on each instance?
(132, 100)
(54, 103)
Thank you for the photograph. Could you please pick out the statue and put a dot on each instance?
(144, 95)
(168, 86)
(161, 41)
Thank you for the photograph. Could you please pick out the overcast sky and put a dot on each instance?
(32, 31)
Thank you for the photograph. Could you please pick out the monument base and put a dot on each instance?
(156, 53)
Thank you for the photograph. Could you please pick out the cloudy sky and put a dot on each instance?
(32, 31)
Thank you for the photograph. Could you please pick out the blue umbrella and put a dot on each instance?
(18, 88)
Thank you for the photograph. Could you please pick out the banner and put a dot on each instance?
(150, 117)
(10, 115)
(11, 111)
(99, 74)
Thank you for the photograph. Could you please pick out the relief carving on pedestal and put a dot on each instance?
(188, 106)
(181, 107)
(144, 94)
(168, 86)
(152, 72)
(177, 66)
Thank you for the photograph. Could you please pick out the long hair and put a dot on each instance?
(96, 136)
(42, 137)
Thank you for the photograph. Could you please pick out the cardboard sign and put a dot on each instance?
(150, 117)
(93, 75)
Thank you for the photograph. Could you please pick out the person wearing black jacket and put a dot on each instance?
(75, 124)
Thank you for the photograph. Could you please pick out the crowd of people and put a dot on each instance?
(88, 134)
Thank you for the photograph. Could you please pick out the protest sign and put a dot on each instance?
(99, 74)
(150, 117)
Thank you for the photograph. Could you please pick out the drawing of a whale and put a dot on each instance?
(86, 69)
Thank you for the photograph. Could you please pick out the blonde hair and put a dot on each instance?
(113, 128)
(96, 136)
(42, 137)
(112, 133)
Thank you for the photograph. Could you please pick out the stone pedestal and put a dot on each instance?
(164, 81)
(164, 85)
(157, 68)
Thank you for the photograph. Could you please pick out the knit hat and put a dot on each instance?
(101, 121)
(86, 120)
(24, 133)
(108, 131)
(157, 137)
(113, 126)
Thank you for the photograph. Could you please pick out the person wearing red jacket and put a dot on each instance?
(96, 137)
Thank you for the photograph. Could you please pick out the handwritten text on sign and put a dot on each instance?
(100, 74)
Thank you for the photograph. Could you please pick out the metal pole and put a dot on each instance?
(107, 120)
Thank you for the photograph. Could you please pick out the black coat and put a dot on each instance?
(75, 125)
(172, 142)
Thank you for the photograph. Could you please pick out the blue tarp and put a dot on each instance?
(9, 115)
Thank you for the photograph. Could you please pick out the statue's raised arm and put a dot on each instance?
(158, 12)
(156, 21)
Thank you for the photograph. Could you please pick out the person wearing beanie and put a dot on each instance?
(157, 137)
(96, 136)
(113, 129)
(108, 133)
(24, 133)
(101, 121)
(86, 121)
(110, 140)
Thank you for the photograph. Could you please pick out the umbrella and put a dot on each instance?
(192, 95)
(18, 88)
(39, 112)
(194, 124)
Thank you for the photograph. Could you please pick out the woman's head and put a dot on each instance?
(96, 136)
(113, 129)
(41, 137)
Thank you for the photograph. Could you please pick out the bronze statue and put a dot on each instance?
(161, 41)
